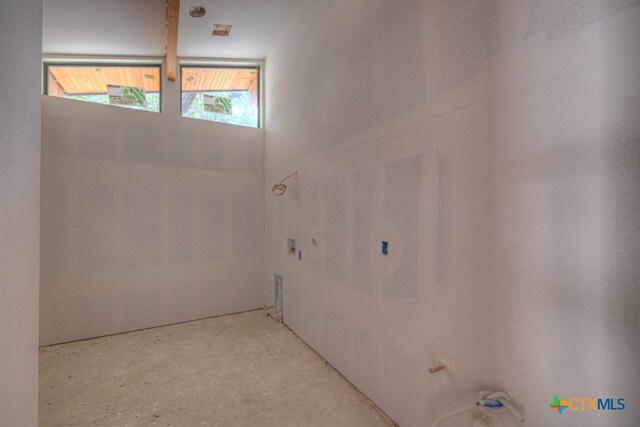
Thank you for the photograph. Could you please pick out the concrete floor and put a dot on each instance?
(241, 369)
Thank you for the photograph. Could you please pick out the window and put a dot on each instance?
(221, 94)
(130, 86)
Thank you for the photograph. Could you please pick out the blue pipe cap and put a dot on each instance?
(490, 403)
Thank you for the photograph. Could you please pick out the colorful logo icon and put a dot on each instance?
(559, 405)
(587, 404)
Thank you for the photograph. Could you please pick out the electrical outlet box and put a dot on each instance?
(291, 246)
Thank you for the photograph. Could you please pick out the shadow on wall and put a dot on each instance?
(623, 199)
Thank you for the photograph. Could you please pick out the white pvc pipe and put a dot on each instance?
(452, 413)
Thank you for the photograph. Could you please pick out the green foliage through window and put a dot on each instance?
(244, 112)
(153, 101)
(131, 86)
(221, 94)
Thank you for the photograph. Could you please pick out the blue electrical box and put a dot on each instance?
(385, 248)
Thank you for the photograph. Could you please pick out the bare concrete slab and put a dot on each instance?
(241, 369)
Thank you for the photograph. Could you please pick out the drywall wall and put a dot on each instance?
(147, 218)
(115, 27)
(20, 47)
(495, 146)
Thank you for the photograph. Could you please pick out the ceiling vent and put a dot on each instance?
(197, 11)
(222, 30)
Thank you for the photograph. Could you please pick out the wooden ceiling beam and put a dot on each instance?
(173, 16)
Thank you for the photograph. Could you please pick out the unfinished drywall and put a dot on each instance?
(118, 27)
(20, 48)
(147, 218)
(494, 145)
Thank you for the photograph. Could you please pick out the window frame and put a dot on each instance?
(257, 67)
(45, 76)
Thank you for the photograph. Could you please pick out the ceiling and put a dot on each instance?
(256, 24)
(137, 27)
(72, 80)
(219, 79)
(81, 80)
